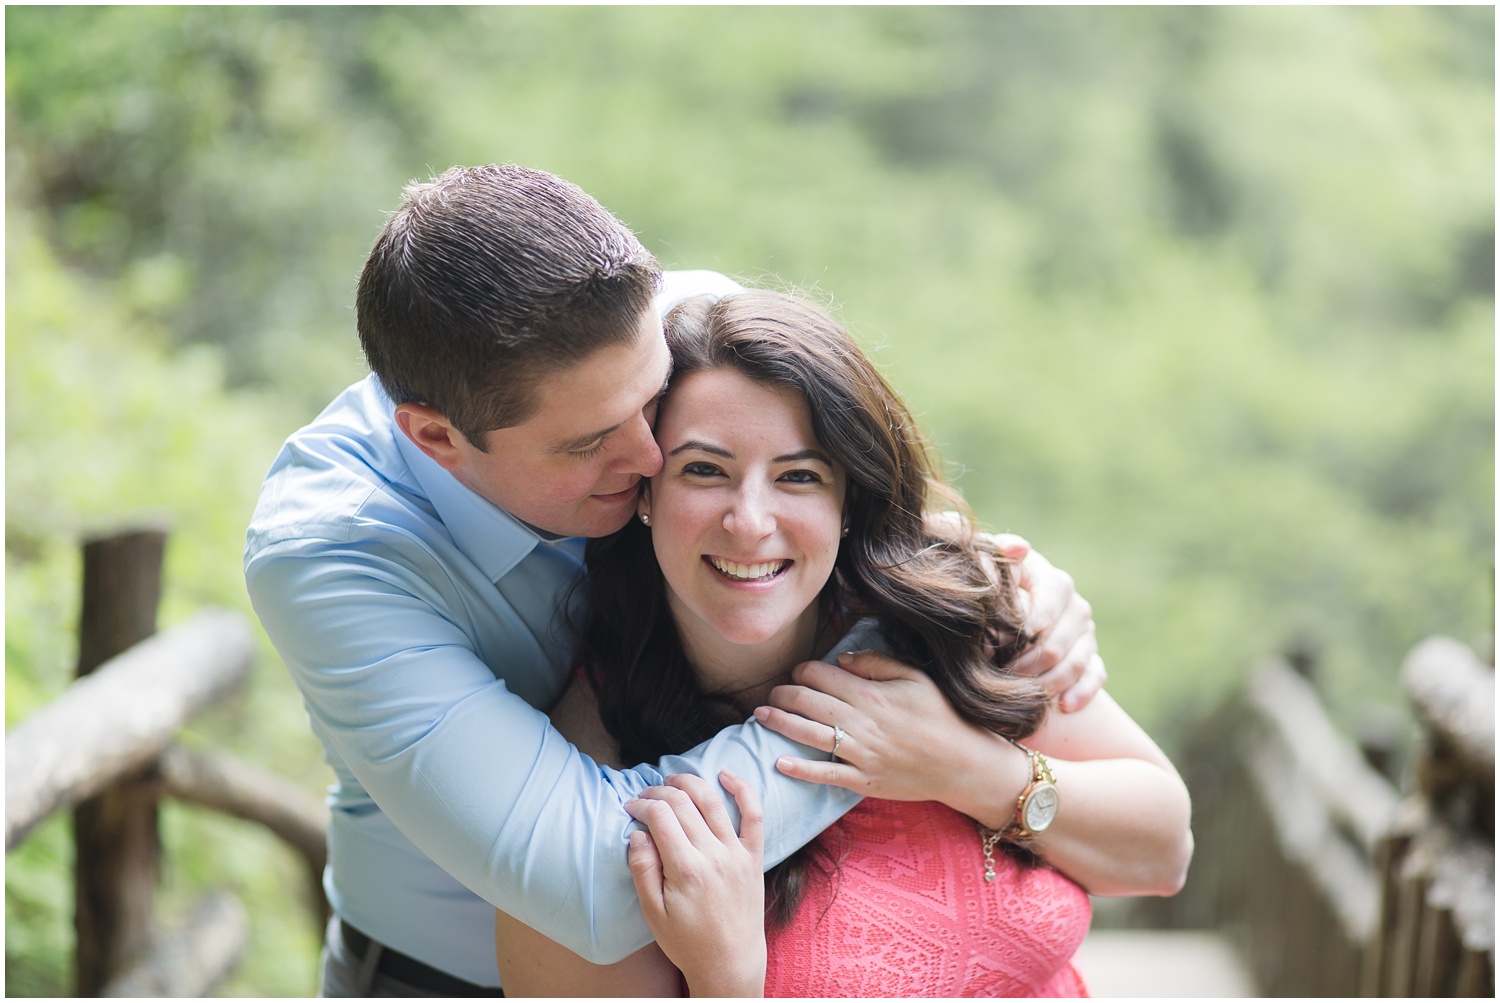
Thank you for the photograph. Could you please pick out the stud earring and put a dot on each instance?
(645, 519)
(845, 532)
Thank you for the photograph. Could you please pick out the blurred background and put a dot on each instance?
(1200, 301)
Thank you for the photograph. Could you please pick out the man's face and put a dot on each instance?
(575, 466)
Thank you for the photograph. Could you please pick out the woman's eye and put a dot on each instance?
(802, 477)
(700, 470)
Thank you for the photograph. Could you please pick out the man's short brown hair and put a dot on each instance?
(487, 279)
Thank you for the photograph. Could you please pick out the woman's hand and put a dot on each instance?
(701, 885)
(1123, 824)
(898, 737)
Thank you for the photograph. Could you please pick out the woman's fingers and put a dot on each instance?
(871, 665)
(686, 813)
(646, 871)
(709, 804)
(813, 702)
(675, 823)
(834, 707)
(752, 818)
(813, 734)
(833, 774)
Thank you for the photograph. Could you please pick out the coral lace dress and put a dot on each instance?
(909, 914)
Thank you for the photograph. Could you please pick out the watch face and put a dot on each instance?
(1041, 808)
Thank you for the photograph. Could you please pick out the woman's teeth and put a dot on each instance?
(748, 572)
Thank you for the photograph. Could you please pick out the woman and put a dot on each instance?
(791, 510)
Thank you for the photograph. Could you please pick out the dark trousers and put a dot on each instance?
(356, 966)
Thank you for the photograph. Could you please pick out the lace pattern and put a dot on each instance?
(909, 914)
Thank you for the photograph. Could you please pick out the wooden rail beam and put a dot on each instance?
(116, 721)
(1355, 796)
(1454, 695)
(193, 959)
(225, 783)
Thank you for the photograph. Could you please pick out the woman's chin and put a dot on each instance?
(751, 634)
(748, 638)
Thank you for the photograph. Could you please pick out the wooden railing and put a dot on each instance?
(1333, 882)
(105, 749)
(1436, 927)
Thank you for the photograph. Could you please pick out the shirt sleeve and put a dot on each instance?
(678, 286)
(470, 772)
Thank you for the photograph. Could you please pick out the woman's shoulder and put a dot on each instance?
(577, 717)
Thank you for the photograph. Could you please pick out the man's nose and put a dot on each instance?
(641, 454)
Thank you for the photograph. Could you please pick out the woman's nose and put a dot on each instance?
(750, 517)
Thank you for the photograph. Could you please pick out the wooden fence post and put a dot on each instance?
(118, 862)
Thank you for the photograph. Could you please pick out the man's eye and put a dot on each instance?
(587, 451)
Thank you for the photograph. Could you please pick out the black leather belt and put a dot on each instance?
(409, 970)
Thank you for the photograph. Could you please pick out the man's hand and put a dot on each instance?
(1065, 658)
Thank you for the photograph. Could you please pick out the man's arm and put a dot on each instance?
(474, 776)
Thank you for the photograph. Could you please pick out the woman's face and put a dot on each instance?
(747, 511)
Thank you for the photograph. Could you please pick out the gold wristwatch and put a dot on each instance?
(1036, 808)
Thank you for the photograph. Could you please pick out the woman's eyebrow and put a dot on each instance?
(702, 447)
(803, 454)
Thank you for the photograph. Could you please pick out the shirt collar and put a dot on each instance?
(491, 537)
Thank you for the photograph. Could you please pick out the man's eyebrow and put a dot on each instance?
(584, 441)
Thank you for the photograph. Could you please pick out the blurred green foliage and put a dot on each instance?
(1201, 300)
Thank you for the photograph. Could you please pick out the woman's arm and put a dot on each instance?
(1124, 822)
(1122, 827)
(534, 965)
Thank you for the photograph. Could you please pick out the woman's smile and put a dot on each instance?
(760, 571)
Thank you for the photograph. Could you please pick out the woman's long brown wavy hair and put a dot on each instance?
(928, 581)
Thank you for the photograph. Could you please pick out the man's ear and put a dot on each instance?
(432, 433)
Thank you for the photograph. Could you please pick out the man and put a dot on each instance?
(411, 558)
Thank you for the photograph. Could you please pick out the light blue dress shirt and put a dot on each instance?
(421, 623)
